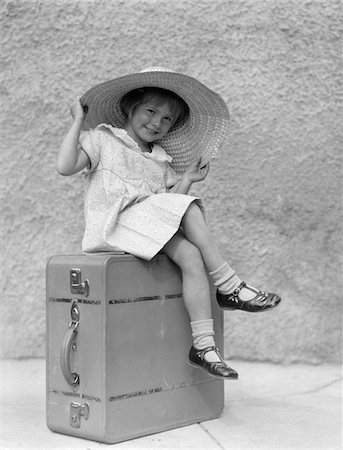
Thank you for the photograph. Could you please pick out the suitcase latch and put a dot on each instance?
(76, 412)
(76, 285)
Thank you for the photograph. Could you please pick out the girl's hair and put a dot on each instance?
(141, 96)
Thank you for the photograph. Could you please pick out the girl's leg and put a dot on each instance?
(197, 298)
(196, 290)
(197, 231)
(236, 293)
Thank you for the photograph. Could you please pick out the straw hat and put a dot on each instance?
(202, 134)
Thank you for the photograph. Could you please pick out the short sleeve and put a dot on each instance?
(89, 142)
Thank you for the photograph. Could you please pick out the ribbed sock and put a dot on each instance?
(225, 279)
(203, 336)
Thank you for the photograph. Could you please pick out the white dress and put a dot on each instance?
(127, 204)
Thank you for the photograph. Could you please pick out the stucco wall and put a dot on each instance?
(273, 200)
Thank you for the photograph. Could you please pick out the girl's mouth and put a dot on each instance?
(151, 131)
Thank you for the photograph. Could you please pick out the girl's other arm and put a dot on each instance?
(71, 158)
(193, 174)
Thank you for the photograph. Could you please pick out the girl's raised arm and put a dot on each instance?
(195, 172)
(71, 159)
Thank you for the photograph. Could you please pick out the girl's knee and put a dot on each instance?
(194, 210)
(193, 213)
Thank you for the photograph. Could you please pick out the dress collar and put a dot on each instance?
(157, 152)
(121, 134)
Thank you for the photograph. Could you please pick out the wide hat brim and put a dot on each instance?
(202, 134)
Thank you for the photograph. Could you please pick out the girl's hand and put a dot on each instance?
(197, 171)
(78, 111)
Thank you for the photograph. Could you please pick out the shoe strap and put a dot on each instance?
(205, 350)
(260, 295)
(239, 288)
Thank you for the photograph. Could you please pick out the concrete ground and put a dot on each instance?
(269, 407)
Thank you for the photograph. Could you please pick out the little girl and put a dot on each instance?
(144, 139)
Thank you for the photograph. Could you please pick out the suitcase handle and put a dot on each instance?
(72, 378)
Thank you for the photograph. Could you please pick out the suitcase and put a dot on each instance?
(118, 338)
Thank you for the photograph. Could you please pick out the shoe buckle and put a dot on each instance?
(237, 291)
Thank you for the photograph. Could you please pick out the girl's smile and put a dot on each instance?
(149, 122)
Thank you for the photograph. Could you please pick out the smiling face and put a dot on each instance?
(150, 121)
(151, 112)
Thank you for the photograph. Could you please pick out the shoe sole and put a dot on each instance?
(209, 373)
(246, 310)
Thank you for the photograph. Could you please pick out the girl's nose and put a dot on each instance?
(156, 121)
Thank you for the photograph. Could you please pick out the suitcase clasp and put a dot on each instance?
(76, 286)
(78, 410)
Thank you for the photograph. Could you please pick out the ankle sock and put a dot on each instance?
(203, 333)
(203, 336)
(225, 279)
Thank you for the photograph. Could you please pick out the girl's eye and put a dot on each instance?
(168, 119)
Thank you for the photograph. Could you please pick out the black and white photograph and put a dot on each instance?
(171, 224)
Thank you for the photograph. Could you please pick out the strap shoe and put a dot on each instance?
(216, 369)
(261, 302)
